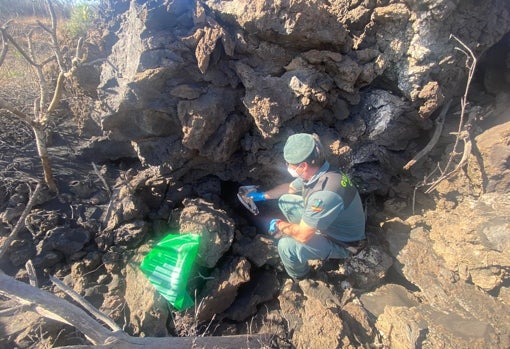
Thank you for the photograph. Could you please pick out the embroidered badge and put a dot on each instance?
(317, 205)
(346, 181)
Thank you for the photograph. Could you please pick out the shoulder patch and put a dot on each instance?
(345, 181)
(317, 205)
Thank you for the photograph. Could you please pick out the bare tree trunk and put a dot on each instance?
(42, 110)
(40, 139)
(53, 307)
(42, 150)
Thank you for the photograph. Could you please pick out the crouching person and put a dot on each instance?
(323, 209)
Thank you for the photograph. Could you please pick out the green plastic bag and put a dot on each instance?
(168, 265)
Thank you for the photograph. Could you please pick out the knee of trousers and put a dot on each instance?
(287, 246)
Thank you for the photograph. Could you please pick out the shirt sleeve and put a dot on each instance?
(297, 185)
(322, 208)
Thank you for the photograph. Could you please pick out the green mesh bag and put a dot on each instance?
(168, 265)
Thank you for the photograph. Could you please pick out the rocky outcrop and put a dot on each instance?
(147, 310)
(455, 259)
(196, 97)
(493, 173)
(190, 84)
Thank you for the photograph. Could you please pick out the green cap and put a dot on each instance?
(298, 148)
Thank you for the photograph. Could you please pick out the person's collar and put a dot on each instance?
(322, 170)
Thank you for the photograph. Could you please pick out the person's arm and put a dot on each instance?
(301, 232)
(278, 191)
(274, 193)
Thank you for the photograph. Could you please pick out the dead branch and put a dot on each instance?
(57, 93)
(89, 307)
(58, 54)
(463, 132)
(48, 305)
(21, 221)
(10, 39)
(51, 306)
(20, 115)
(16, 309)
(40, 139)
(3, 52)
(53, 34)
(471, 65)
(43, 85)
(32, 274)
(96, 171)
(241, 342)
(435, 137)
(45, 106)
(468, 145)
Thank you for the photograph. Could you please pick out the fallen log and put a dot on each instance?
(50, 306)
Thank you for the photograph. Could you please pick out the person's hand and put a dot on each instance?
(256, 196)
(273, 227)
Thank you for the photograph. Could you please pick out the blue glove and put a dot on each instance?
(256, 196)
(273, 229)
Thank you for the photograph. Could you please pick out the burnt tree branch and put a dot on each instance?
(53, 307)
(21, 221)
(463, 133)
(435, 137)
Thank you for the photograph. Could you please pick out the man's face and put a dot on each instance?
(296, 170)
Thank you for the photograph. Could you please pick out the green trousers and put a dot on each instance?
(294, 254)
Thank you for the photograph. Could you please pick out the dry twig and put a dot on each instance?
(32, 274)
(463, 132)
(435, 137)
(101, 177)
(21, 221)
(85, 304)
(471, 65)
(3, 52)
